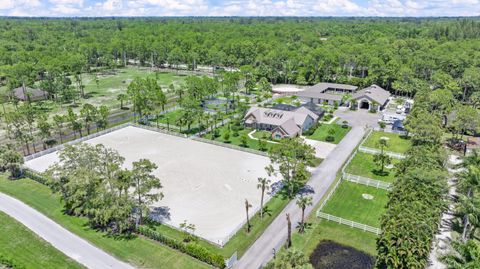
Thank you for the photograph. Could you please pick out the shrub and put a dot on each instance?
(9, 263)
(345, 124)
(382, 125)
(191, 249)
(330, 138)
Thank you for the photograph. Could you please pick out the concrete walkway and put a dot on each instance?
(322, 177)
(70, 244)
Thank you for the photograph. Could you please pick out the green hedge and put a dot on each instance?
(9, 263)
(34, 176)
(191, 249)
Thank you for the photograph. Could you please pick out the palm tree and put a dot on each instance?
(263, 184)
(302, 202)
(464, 255)
(247, 206)
(289, 231)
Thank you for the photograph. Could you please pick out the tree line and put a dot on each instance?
(399, 55)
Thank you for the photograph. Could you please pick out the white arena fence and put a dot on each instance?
(353, 224)
(78, 140)
(213, 142)
(377, 151)
(366, 181)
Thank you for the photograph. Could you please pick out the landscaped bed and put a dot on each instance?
(359, 203)
(331, 255)
(363, 165)
(396, 143)
(235, 138)
(26, 250)
(322, 133)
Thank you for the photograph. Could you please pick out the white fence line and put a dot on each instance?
(78, 140)
(353, 224)
(366, 181)
(329, 195)
(213, 142)
(376, 151)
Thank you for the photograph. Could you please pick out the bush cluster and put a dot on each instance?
(192, 249)
(9, 263)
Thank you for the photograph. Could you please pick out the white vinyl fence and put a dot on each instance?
(353, 224)
(366, 181)
(377, 151)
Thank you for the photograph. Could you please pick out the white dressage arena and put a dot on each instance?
(204, 184)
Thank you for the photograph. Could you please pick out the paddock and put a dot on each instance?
(204, 184)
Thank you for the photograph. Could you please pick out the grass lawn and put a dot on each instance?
(139, 251)
(319, 229)
(241, 240)
(396, 142)
(288, 100)
(363, 165)
(347, 202)
(27, 249)
(328, 230)
(235, 140)
(321, 132)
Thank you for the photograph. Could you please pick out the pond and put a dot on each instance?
(331, 255)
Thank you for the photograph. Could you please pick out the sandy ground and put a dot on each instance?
(322, 149)
(287, 88)
(204, 184)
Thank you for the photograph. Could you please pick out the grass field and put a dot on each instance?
(347, 202)
(363, 165)
(26, 249)
(321, 133)
(396, 142)
(110, 85)
(139, 251)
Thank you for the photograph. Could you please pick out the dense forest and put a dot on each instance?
(398, 54)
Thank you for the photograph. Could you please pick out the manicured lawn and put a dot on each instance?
(27, 249)
(363, 165)
(327, 230)
(241, 240)
(235, 140)
(347, 202)
(396, 142)
(138, 250)
(288, 100)
(321, 132)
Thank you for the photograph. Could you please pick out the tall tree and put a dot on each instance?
(263, 184)
(143, 183)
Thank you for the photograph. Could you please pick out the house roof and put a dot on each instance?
(290, 127)
(33, 93)
(374, 93)
(320, 95)
(314, 108)
(284, 107)
(281, 118)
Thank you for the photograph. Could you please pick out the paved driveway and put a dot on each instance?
(73, 246)
(322, 177)
(322, 149)
(360, 117)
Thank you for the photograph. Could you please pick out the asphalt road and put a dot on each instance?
(71, 245)
(322, 177)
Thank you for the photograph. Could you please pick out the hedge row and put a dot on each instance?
(191, 249)
(34, 176)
